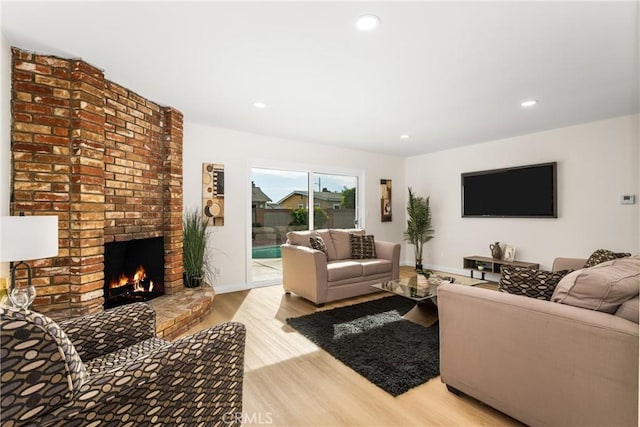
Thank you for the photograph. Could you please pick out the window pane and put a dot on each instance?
(335, 201)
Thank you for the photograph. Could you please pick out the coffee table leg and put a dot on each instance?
(424, 313)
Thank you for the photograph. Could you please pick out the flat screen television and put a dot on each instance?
(517, 192)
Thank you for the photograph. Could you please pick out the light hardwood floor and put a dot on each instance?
(289, 381)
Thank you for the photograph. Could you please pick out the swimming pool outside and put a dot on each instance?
(266, 252)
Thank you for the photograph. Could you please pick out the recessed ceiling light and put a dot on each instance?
(367, 22)
(529, 102)
(404, 136)
(260, 105)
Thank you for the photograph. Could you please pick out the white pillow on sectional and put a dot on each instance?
(603, 287)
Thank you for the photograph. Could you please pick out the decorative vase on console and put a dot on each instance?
(496, 250)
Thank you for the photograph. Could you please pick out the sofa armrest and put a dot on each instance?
(391, 252)
(199, 377)
(520, 354)
(98, 334)
(561, 263)
(304, 271)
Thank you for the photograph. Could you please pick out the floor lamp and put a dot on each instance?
(26, 238)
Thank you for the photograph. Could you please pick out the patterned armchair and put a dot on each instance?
(110, 369)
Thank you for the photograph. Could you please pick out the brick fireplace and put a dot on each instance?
(107, 161)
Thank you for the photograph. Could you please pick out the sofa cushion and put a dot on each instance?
(603, 287)
(118, 358)
(341, 241)
(317, 243)
(530, 282)
(629, 310)
(362, 247)
(603, 255)
(328, 242)
(371, 267)
(341, 270)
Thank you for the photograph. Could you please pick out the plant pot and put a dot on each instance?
(191, 281)
(418, 266)
(422, 281)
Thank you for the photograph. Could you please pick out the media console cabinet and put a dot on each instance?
(491, 265)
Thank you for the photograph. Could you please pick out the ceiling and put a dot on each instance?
(445, 73)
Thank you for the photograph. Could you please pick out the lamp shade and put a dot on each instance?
(28, 237)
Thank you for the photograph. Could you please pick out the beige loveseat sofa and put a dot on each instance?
(541, 362)
(322, 278)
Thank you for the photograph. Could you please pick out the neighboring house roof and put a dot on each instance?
(319, 195)
(257, 195)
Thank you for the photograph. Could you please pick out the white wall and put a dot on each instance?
(597, 162)
(239, 151)
(5, 134)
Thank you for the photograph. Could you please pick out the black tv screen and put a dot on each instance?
(523, 191)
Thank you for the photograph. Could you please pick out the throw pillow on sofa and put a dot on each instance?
(362, 247)
(530, 282)
(316, 242)
(604, 287)
(604, 255)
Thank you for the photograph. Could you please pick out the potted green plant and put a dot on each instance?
(419, 229)
(425, 273)
(195, 252)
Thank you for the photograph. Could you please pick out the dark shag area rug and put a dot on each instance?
(374, 340)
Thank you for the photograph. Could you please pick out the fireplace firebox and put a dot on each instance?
(133, 271)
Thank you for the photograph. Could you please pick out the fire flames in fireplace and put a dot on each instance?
(133, 271)
(134, 287)
(139, 282)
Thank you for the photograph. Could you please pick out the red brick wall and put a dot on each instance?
(105, 160)
(133, 166)
(41, 168)
(86, 224)
(172, 194)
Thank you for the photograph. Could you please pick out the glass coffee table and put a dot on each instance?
(423, 291)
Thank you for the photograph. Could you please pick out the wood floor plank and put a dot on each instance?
(289, 381)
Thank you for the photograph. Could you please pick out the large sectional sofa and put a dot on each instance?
(322, 278)
(542, 362)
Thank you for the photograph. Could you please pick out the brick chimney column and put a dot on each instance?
(40, 106)
(105, 160)
(172, 195)
(87, 210)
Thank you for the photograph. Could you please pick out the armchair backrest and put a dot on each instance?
(41, 369)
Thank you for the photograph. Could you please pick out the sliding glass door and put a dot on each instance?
(282, 201)
(277, 206)
(334, 201)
